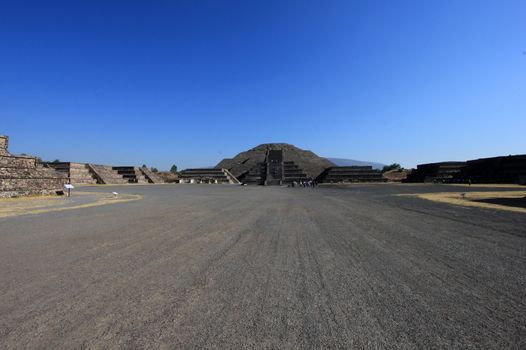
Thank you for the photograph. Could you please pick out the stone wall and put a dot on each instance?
(10, 161)
(23, 176)
(16, 182)
(4, 141)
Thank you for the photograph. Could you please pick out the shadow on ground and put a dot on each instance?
(510, 202)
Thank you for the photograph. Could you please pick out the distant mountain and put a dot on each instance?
(352, 162)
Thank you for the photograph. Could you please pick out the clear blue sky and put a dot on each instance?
(191, 82)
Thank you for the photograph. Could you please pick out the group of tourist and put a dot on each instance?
(309, 183)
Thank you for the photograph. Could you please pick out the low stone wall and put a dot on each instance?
(30, 181)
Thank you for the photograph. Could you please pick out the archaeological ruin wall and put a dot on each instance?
(25, 176)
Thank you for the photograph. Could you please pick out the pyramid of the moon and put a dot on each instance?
(275, 162)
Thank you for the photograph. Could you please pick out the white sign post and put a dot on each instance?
(69, 187)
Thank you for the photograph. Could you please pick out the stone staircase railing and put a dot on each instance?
(151, 176)
(231, 178)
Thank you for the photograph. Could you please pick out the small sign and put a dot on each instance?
(69, 186)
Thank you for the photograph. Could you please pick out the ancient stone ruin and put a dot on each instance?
(342, 174)
(261, 165)
(506, 170)
(24, 175)
(284, 164)
(208, 175)
(436, 172)
(84, 173)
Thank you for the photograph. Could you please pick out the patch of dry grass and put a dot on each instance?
(43, 204)
(490, 186)
(469, 199)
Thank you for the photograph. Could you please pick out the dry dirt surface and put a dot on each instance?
(501, 200)
(218, 266)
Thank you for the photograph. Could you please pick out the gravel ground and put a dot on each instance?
(213, 266)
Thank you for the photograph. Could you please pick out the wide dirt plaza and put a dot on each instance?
(195, 266)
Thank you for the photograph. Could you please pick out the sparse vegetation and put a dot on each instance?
(394, 166)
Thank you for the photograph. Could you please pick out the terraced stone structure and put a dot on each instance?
(77, 173)
(24, 175)
(436, 172)
(208, 175)
(83, 173)
(275, 164)
(506, 170)
(132, 174)
(343, 174)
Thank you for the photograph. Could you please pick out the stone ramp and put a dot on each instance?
(231, 178)
(151, 176)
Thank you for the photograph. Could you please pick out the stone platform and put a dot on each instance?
(25, 176)
(342, 174)
(84, 173)
(208, 175)
(508, 169)
(495, 170)
(443, 172)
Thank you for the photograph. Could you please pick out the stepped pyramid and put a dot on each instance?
(275, 163)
